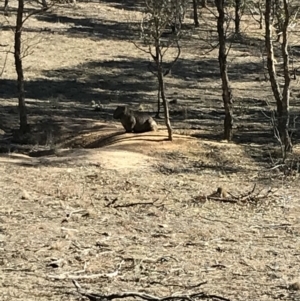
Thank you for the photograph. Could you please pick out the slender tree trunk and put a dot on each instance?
(159, 87)
(261, 14)
(203, 3)
(158, 101)
(195, 9)
(160, 78)
(165, 104)
(19, 68)
(277, 17)
(237, 20)
(227, 96)
(270, 54)
(282, 100)
(44, 3)
(285, 118)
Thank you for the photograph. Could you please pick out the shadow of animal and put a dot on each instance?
(136, 122)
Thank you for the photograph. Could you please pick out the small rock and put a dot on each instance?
(25, 195)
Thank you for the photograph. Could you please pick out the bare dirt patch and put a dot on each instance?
(133, 220)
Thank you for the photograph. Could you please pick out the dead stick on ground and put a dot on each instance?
(101, 297)
(224, 200)
(78, 277)
(179, 285)
(92, 276)
(133, 204)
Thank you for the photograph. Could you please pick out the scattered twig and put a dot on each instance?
(189, 297)
(274, 226)
(91, 276)
(110, 202)
(225, 200)
(133, 204)
(68, 229)
(79, 277)
(179, 285)
(222, 195)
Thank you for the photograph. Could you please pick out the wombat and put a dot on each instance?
(132, 121)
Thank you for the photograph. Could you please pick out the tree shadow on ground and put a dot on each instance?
(209, 69)
(119, 80)
(246, 40)
(92, 27)
(295, 50)
(131, 5)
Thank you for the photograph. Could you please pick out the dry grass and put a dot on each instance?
(78, 212)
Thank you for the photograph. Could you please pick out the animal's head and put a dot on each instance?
(119, 112)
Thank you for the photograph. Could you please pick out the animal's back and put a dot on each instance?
(144, 122)
(134, 121)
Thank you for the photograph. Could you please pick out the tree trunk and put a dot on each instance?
(160, 77)
(285, 113)
(203, 3)
(19, 68)
(158, 102)
(159, 87)
(195, 9)
(270, 53)
(237, 20)
(261, 14)
(282, 100)
(165, 104)
(227, 96)
(44, 3)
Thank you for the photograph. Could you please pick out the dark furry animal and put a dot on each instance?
(132, 121)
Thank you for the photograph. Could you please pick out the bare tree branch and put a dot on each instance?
(4, 64)
(34, 12)
(175, 60)
(212, 12)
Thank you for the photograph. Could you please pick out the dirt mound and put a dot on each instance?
(108, 159)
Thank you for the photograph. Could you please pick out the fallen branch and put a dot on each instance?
(179, 285)
(224, 200)
(133, 204)
(143, 296)
(91, 276)
(222, 195)
(79, 277)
